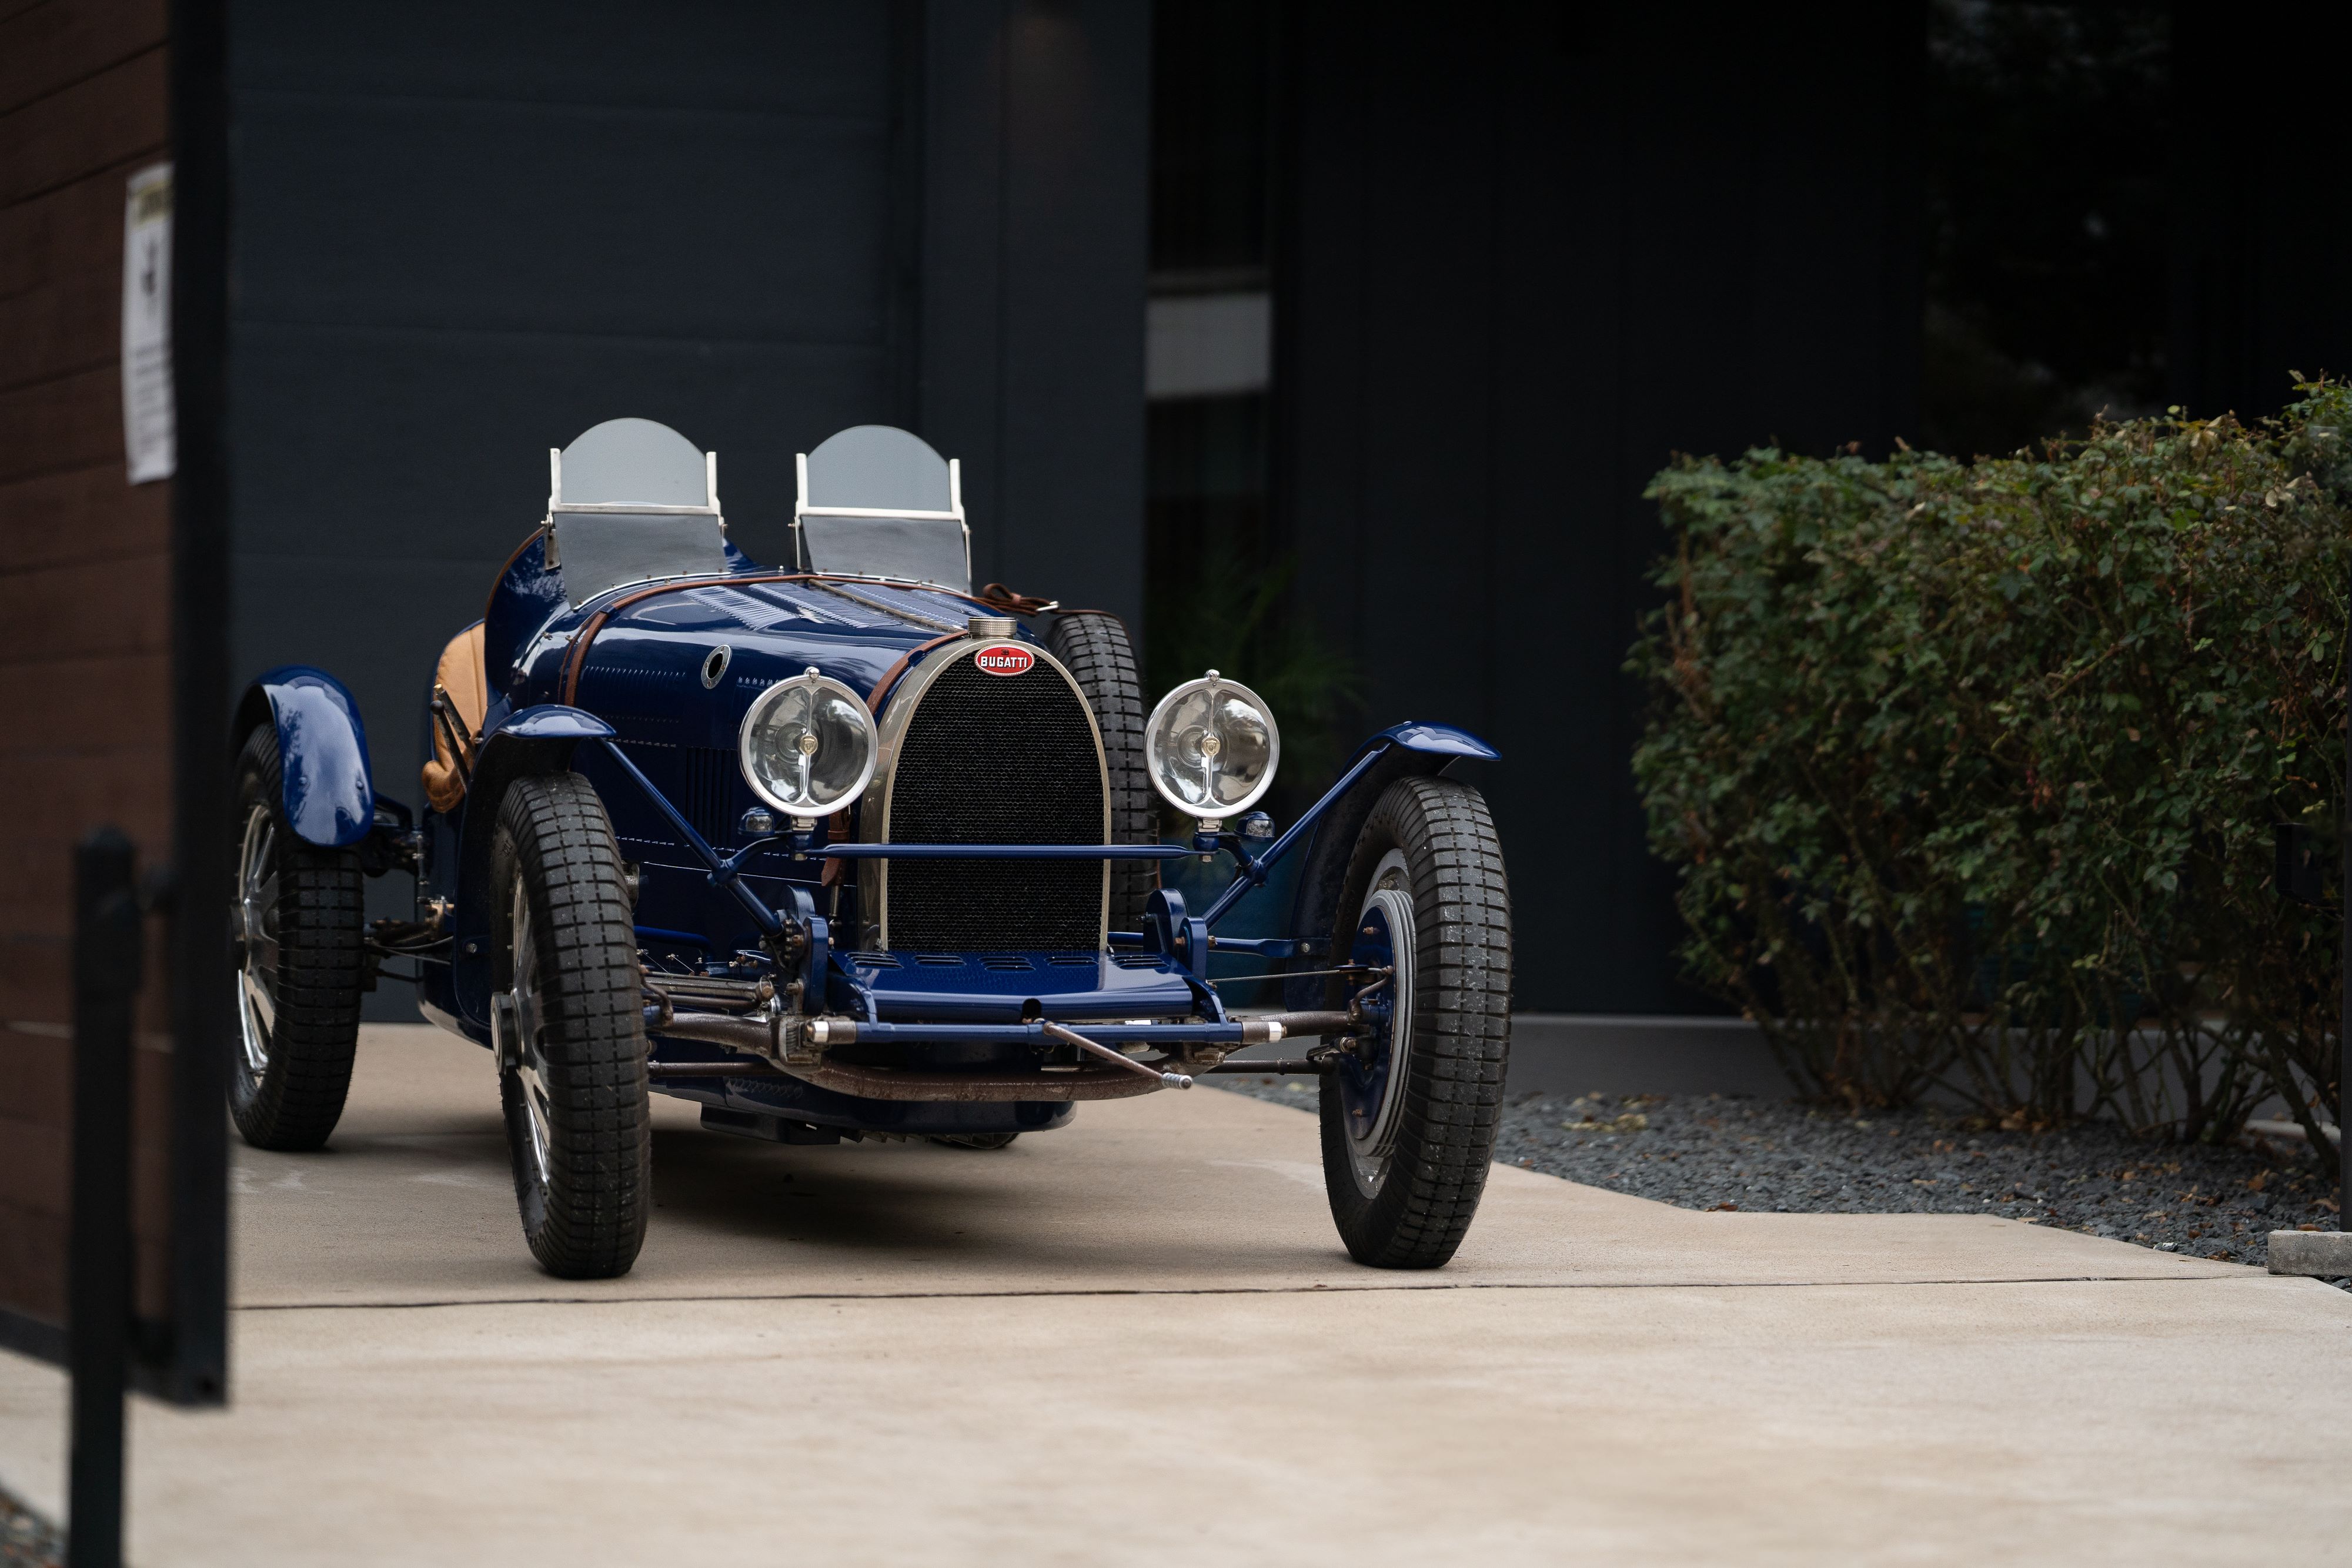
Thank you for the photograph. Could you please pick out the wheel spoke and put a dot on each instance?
(257, 996)
(535, 1097)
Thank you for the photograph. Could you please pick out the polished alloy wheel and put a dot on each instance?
(1373, 1083)
(518, 1019)
(257, 911)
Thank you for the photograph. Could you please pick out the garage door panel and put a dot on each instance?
(818, 57)
(524, 218)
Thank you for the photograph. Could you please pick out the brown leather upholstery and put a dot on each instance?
(457, 678)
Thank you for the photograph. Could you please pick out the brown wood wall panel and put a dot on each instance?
(37, 997)
(17, 7)
(62, 281)
(51, 47)
(57, 799)
(33, 1262)
(32, 974)
(33, 1266)
(71, 422)
(67, 612)
(49, 329)
(43, 874)
(38, 1072)
(47, 521)
(70, 791)
(85, 719)
(90, 702)
(89, 125)
(72, 228)
(33, 1165)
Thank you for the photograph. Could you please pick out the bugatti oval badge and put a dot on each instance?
(1005, 659)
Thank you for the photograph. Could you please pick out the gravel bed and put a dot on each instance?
(1787, 1157)
(26, 1540)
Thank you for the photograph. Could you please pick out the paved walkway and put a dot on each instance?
(1137, 1341)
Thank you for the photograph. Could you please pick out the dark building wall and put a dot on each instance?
(1522, 259)
(2262, 231)
(1033, 267)
(466, 234)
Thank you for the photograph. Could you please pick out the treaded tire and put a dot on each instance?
(317, 917)
(1094, 646)
(583, 1041)
(975, 1140)
(1415, 1211)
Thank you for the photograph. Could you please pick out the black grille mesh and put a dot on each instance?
(997, 760)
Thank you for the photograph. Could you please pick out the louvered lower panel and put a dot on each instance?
(699, 781)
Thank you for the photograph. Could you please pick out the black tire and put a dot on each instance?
(570, 1029)
(1407, 1203)
(1094, 648)
(299, 925)
(976, 1140)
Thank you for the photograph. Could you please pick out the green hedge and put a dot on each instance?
(1970, 770)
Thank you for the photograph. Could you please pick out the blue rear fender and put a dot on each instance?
(327, 794)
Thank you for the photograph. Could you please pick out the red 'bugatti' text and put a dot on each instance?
(1005, 659)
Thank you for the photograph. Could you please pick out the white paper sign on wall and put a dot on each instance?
(148, 418)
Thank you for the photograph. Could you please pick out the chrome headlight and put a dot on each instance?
(808, 746)
(1212, 747)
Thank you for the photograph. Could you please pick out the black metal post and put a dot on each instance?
(106, 966)
(203, 817)
(2344, 1016)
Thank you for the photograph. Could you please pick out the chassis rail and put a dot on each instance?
(766, 1054)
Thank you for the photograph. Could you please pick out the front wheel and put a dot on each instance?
(1409, 1117)
(569, 1029)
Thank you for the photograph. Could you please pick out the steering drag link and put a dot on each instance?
(1072, 1037)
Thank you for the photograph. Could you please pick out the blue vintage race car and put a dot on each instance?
(849, 852)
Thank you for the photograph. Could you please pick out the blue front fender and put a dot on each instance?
(326, 793)
(533, 740)
(548, 721)
(1401, 750)
(1434, 740)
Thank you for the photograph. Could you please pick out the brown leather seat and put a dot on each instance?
(458, 680)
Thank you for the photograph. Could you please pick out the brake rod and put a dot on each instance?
(1072, 1037)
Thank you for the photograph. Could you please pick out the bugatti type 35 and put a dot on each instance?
(851, 850)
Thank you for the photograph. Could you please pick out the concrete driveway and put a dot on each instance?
(1137, 1341)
